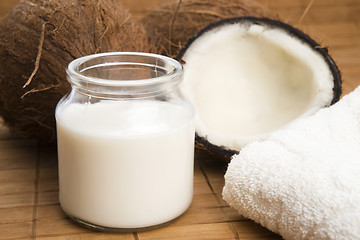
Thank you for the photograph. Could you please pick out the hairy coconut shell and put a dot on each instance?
(171, 24)
(38, 38)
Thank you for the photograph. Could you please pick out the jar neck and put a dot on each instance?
(124, 75)
(137, 92)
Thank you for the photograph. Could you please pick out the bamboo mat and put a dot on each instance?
(29, 207)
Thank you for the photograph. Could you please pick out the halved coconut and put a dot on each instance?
(248, 77)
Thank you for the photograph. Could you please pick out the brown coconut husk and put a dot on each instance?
(171, 24)
(38, 38)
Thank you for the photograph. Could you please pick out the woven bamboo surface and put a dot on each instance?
(29, 207)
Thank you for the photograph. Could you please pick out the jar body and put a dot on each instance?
(125, 162)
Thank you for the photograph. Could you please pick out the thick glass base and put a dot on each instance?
(119, 230)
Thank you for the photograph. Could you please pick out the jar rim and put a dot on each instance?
(74, 73)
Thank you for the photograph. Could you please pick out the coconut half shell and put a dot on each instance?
(248, 77)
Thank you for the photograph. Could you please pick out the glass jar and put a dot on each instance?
(125, 142)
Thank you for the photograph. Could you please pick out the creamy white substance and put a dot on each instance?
(125, 164)
(246, 81)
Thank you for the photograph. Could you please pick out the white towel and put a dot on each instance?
(303, 182)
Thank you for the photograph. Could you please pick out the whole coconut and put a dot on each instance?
(38, 38)
(171, 24)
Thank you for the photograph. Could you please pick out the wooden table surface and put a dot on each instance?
(29, 207)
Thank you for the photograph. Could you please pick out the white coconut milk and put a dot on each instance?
(125, 164)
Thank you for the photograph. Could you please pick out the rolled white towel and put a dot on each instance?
(303, 182)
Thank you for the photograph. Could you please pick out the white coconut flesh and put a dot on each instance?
(248, 80)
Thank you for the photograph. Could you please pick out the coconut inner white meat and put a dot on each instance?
(246, 81)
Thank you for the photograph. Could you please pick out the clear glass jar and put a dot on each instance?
(125, 142)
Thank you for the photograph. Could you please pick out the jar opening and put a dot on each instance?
(123, 69)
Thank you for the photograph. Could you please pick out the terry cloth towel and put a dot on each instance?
(303, 182)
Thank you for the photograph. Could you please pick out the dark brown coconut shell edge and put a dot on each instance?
(202, 142)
